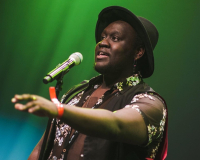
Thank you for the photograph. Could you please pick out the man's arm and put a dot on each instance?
(126, 125)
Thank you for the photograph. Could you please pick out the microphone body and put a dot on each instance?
(74, 59)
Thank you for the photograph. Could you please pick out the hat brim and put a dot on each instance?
(114, 13)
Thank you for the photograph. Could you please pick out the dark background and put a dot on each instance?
(37, 35)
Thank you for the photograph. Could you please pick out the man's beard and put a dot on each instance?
(109, 69)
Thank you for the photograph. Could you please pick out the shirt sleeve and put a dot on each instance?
(153, 110)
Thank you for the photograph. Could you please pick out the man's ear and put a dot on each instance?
(140, 53)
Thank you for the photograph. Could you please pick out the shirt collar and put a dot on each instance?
(129, 82)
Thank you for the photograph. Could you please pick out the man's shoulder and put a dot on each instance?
(75, 90)
(79, 86)
(144, 89)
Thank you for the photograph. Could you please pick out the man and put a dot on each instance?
(114, 116)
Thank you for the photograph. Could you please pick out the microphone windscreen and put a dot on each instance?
(77, 58)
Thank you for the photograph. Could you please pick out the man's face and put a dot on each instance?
(115, 53)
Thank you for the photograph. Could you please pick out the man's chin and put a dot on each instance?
(105, 69)
(101, 70)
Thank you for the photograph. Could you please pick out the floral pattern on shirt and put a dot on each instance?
(153, 131)
(63, 130)
(136, 107)
(160, 129)
(139, 96)
(76, 99)
(130, 81)
(133, 80)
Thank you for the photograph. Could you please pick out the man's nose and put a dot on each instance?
(104, 43)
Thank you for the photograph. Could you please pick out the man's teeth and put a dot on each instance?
(101, 53)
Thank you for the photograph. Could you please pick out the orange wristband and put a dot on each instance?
(60, 110)
(54, 99)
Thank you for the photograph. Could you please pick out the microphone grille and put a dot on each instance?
(77, 57)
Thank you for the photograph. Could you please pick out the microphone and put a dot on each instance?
(73, 60)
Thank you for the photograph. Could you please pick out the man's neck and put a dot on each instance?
(110, 80)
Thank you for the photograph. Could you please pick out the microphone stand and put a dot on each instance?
(48, 135)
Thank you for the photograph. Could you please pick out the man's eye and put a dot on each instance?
(115, 38)
(103, 37)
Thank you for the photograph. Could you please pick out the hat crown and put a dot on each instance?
(151, 31)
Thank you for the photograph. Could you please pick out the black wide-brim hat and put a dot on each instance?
(144, 28)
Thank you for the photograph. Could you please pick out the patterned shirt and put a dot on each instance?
(149, 105)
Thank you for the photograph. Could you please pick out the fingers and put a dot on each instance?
(25, 107)
(19, 106)
(34, 109)
(22, 97)
(35, 105)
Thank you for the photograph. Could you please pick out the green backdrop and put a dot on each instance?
(37, 35)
